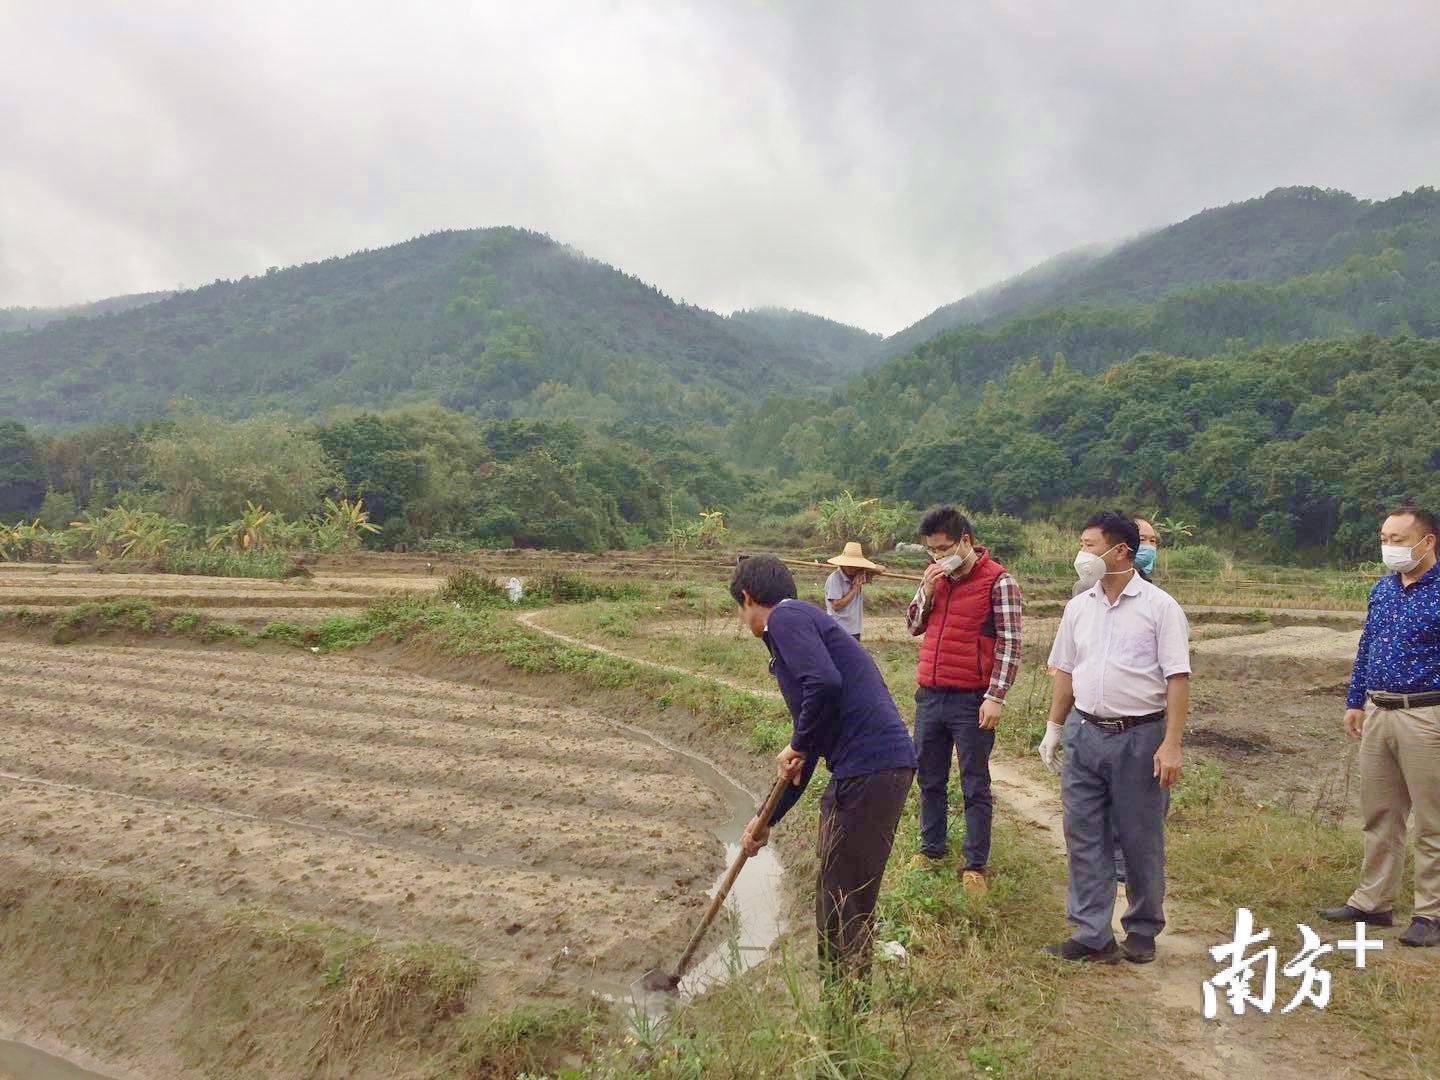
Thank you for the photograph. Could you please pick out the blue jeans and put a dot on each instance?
(945, 720)
(1112, 799)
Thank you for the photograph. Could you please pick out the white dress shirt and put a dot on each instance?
(1119, 655)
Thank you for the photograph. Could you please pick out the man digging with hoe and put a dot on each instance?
(843, 713)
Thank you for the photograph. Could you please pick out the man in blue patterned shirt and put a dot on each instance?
(1393, 708)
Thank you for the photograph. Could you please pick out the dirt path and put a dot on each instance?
(1167, 992)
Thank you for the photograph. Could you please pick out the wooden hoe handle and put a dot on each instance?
(772, 800)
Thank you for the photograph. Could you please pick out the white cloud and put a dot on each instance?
(865, 161)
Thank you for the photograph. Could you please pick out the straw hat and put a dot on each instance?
(853, 555)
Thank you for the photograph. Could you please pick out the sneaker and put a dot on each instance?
(1073, 950)
(1139, 949)
(1346, 913)
(922, 861)
(974, 882)
(1423, 932)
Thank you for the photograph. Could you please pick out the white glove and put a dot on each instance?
(1050, 748)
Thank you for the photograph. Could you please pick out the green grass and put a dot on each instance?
(129, 613)
(239, 564)
(533, 1040)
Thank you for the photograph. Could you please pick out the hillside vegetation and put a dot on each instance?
(579, 408)
(495, 322)
(1288, 233)
(31, 318)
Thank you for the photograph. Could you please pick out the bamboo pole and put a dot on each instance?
(828, 567)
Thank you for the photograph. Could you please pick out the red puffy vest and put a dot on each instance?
(958, 650)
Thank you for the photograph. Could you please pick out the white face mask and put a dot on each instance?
(1090, 568)
(950, 563)
(1399, 557)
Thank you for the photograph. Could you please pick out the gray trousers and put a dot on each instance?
(1111, 796)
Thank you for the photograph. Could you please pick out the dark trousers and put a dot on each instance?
(1110, 795)
(858, 817)
(946, 719)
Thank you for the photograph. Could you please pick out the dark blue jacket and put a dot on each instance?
(841, 708)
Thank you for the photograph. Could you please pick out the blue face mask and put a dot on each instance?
(1145, 558)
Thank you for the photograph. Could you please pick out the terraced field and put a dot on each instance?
(524, 832)
(251, 602)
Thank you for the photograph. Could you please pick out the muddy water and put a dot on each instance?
(751, 920)
(21, 1062)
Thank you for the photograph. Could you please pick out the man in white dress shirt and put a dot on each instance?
(1122, 690)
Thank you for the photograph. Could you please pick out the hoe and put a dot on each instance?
(657, 981)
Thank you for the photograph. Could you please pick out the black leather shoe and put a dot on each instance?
(1073, 950)
(1423, 932)
(1139, 949)
(1346, 913)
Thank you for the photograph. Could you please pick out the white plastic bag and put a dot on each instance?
(893, 950)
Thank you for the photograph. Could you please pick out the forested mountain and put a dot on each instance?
(1386, 282)
(823, 341)
(1289, 232)
(494, 322)
(31, 318)
(586, 409)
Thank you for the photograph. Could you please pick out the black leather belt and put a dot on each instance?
(1405, 701)
(1118, 724)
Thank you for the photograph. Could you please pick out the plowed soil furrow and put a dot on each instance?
(194, 856)
(162, 712)
(258, 672)
(596, 785)
(544, 839)
(274, 784)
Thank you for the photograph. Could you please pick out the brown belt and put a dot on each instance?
(1118, 724)
(1405, 701)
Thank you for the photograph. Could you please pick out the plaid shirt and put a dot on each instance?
(1005, 603)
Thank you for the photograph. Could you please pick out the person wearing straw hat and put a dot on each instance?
(844, 601)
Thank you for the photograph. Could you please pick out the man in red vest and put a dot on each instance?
(968, 609)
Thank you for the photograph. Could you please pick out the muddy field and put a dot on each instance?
(539, 838)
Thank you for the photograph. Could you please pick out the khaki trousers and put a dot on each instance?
(1400, 772)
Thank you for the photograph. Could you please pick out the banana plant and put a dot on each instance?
(1172, 530)
(99, 533)
(340, 525)
(712, 528)
(253, 530)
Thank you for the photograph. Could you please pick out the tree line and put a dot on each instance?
(425, 476)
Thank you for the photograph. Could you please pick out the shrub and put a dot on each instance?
(1002, 535)
(445, 545)
(471, 590)
(1194, 557)
(564, 587)
(877, 526)
(242, 564)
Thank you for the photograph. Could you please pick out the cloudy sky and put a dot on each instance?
(867, 161)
